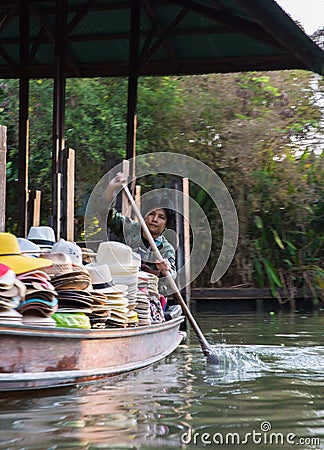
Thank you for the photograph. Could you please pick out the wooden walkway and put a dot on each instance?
(239, 294)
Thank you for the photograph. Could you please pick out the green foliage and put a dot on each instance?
(261, 132)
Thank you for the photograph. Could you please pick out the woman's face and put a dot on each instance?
(156, 222)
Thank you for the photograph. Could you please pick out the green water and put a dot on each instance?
(266, 392)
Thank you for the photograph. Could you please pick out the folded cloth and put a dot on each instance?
(72, 320)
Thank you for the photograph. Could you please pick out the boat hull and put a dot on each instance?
(39, 357)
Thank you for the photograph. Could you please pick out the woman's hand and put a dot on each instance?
(118, 180)
(163, 266)
(113, 185)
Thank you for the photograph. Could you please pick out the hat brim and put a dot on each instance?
(22, 264)
(112, 289)
(13, 291)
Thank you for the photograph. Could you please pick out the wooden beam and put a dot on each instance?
(3, 159)
(280, 33)
(234, 23)
(53, 35)
(133, 80)
(80, 14)
(41, 38)
(145, 57)
(150, 11)
(162, 67)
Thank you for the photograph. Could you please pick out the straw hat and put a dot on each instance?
(102, 281)
(88, 255)
(10, 255)
(61, 263)
(43, 236)
(69, 248)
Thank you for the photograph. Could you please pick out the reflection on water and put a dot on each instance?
(268, 385)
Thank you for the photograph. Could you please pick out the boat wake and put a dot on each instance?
(249, 362)
(236, 363)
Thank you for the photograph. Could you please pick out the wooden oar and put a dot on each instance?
(206, 348)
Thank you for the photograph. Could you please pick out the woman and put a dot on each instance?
(157, 218)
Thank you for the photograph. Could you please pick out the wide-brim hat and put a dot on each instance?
(3, 269)
(10, 255)
(28, 247)
(102, 281)
(43, 236)
(114, 253)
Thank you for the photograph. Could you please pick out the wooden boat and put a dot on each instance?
(41, 357)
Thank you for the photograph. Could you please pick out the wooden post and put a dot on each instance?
(33, 208)
(137, 198)
(67, 210)
(186, 236)
(58, 110)
(125, 202)
(183, 233)
(57, 225)
(3, 159)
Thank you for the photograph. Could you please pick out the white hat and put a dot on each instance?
(28, 247)
(114, 254)
(102, 281)
(69, 248)
(43, 236)
(7, 279)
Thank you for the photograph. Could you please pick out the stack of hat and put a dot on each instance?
(40, 301)
(123, 268)
(12, 292)
(71, 282)
(11, 256)
(72, 288)
(153, 284)
(116, 296)
(100, 287)
(142, 299)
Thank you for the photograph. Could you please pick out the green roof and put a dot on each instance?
(150, 37)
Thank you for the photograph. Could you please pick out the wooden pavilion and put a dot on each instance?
(59, 39)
